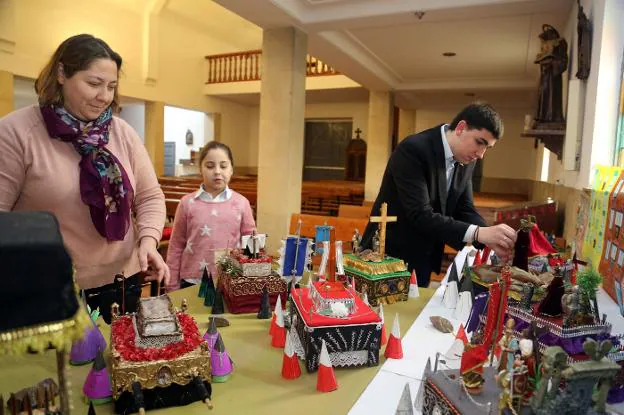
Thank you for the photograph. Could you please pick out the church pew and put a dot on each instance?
(344, 227)
(545, 213)
(488, 205)
(171, 205)
(318, 197)
(185, 189)
(171, 181)
(174, 195)
(352, 211)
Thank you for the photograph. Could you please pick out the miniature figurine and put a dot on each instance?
(509, 345)
(356, 241)
(376, 242)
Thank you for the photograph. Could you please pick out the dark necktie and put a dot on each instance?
(453, 174)
(453, 179)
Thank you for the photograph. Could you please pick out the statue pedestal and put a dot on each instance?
(551, 134)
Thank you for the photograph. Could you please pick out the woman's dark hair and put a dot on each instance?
(480, 116)
(75, 54)
(212, 145)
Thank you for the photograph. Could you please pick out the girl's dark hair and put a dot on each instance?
(212, 145)
(75, 54)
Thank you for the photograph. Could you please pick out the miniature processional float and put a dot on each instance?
(536, 322)
(327, 311)
(384, 279)
(244, 273)
(158, 357)
(40, 307)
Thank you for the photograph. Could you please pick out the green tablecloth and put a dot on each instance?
(256, 386)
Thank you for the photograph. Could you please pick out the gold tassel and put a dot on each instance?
(39, 337)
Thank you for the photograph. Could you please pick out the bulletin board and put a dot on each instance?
(612, 259)
(605, 179)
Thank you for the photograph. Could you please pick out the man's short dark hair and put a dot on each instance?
(479, 116)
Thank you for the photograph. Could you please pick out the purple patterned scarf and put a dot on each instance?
(104, 184)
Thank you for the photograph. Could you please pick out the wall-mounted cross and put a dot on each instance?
(383, 220)
(357, 133)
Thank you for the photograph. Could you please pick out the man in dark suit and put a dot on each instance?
(428, 186)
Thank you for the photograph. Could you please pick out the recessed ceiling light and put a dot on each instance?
(449, 54)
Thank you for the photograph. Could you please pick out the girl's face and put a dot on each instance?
(216, 169)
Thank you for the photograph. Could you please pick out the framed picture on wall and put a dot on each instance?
(189, 137)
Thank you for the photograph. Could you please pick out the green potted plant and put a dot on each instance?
(588, 281)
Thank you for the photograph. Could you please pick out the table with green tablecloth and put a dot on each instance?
(256, 386)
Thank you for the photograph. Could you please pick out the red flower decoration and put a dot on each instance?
(244, 259)
(123, 338)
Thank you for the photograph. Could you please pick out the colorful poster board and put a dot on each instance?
(605, 179)
(612, 259)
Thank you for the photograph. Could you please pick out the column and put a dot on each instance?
(155, 134)
(6, 93)
(281, 129)
(378, 141)
(407, 123)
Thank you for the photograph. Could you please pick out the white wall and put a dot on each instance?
(513, 157)
(134, 114)
(209, 128)
(23, 92)
(254, 125)
(178, 121)
(603, 86)
(592, 105)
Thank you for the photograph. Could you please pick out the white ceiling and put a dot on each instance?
(217, 22)
(409, 99)
(383, 45)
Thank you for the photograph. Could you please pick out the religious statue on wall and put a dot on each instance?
(584, 30)
(553, 61)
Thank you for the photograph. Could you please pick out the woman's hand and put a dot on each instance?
(151, 261)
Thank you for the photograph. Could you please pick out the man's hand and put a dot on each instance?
(501, 238)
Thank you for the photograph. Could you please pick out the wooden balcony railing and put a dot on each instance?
(247, 66)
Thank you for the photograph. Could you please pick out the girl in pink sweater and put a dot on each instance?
(211, 219)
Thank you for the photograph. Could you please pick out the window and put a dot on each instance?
(325, 148)
(545, 165)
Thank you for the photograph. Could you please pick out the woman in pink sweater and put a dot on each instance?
(210, 219)
(70, 156)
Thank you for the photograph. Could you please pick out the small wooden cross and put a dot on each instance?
(357, 133)
(383, 220)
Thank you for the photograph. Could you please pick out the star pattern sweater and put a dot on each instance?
(201, 228)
